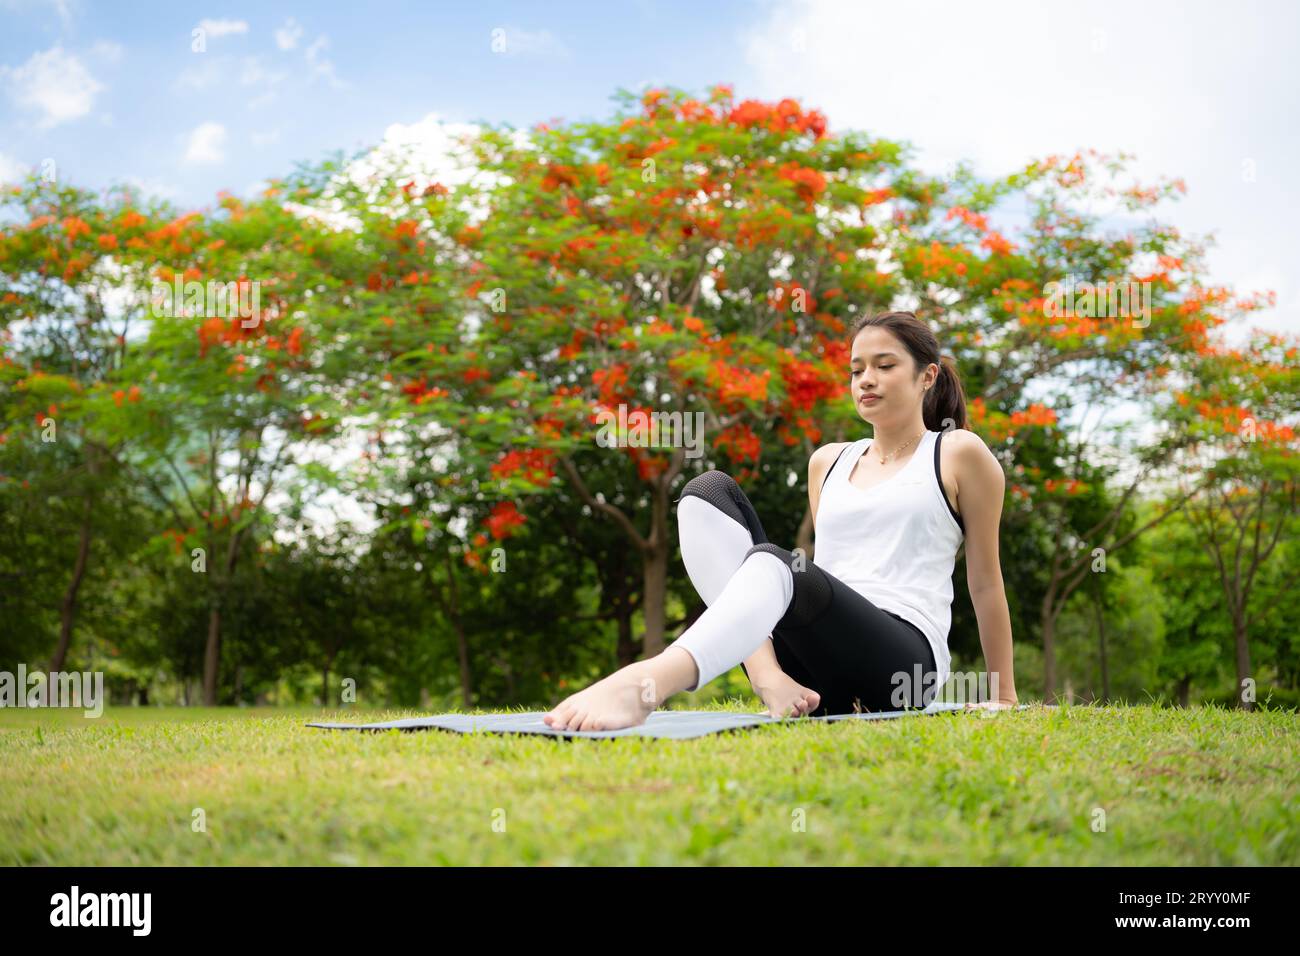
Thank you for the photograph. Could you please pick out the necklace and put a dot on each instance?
(897, 450)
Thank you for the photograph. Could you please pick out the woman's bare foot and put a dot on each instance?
(626, 697)
(785, 697)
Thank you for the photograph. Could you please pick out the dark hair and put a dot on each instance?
(946, 399)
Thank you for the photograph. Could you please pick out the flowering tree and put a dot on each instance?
(665, 263)
(706, 257)
(70, 265)
(1242, 411)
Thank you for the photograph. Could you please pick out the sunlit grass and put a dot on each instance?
(1203, 786)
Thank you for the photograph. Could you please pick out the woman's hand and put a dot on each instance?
(783, 696)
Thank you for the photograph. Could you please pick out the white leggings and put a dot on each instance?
(825, 635)
(745, 598)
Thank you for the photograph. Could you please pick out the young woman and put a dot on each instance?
(865, 628)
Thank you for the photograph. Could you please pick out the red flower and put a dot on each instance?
(996, 244)
(536, 464)
(75, 226)
(809, 183)
(504, 518)
(805, 386)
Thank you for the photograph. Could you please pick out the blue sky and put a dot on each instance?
(114, 92)
(296, 80)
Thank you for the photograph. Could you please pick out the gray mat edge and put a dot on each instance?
(483, 723)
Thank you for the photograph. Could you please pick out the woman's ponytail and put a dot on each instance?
(945, 403)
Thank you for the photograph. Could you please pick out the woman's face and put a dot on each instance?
(883, 378)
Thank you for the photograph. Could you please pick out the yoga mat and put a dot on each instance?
(674, 724)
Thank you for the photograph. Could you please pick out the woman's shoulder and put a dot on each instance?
(961, 438)
(826, 454)
(822, 460)
(968, 452)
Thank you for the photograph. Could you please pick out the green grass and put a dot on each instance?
(1178, 787)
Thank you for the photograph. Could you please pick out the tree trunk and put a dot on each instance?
(462, 658)
(452, 609)
(1184, 690)
(212, 656)
(1243, 659)
(656, 592)
(1049, 651)
(212, 653)
(804, 536)
(655, 557)
(325, 684)
(67, 609)
(1101, 637)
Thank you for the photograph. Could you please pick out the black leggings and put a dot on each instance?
(831, 639)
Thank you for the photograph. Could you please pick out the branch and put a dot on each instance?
(617, 514)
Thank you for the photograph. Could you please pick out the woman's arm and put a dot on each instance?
(981, 486)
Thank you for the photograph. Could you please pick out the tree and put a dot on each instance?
(1239, 412)
(69, 267)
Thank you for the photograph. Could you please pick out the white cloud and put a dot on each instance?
(250, 71)
(107, 50)
(205, 73)
(61, 7)
(221, 28)
(253, 73)
(1041, 78)
(64, 10)
(11, 171)
(154, 187)
(265, 139)
(424, 152)
(318, 46)
(287, 36)
(512, 41)
(207, 144)
(321, 66)
(54, 83)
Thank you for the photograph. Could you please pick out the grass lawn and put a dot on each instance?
(1203, 786)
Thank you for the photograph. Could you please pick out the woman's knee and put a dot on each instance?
(709, 485)
(812, 591)
(720, 490)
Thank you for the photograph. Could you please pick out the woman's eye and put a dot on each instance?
(884, 367)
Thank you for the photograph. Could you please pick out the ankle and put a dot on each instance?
(676, 671)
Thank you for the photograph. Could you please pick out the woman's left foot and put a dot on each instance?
(623, 699)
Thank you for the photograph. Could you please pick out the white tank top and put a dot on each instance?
(895, 543)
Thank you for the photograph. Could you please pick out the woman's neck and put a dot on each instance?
(886, 439)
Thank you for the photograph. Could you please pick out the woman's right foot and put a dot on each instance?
(785, 697)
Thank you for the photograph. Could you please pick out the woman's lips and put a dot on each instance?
(869, 399)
